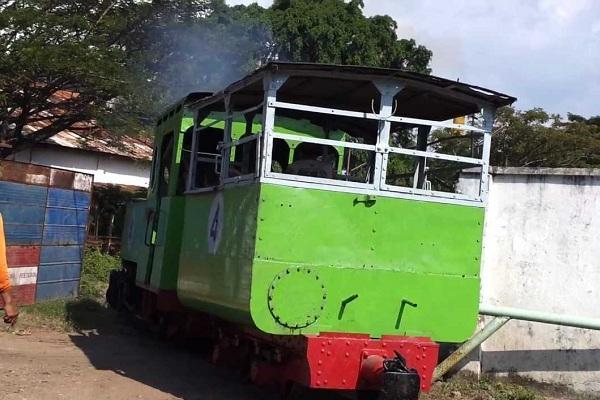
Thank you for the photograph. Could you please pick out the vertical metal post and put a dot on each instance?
(249, 118)
(191, 178)
(226, 151)
(387, 91)
(271, 85)
(422, 138)
(488, 124)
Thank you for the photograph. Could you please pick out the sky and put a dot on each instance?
(544, 52)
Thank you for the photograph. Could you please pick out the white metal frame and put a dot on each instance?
(225, 152)
(388, 90)
(246, 177)
(272, 82)
(191, 189)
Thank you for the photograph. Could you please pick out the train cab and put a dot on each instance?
(316, 209)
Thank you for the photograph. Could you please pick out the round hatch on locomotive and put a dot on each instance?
(297, 297)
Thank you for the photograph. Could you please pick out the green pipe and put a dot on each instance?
(469, 346)
(502, 316)
(539, 316)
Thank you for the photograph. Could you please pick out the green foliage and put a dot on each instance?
(507, 391)
(53, 45)
(337, 32)
(95, 272)
(533, 138)
(127, 59)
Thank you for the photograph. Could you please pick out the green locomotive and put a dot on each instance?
(306, 213)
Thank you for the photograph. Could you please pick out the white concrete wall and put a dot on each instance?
(541, 252)
(105, 168)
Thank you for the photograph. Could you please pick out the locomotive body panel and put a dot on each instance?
(392, 267)
(215, 267)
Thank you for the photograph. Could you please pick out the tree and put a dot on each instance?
(533, 138)
(62, 63)
(337, 32)
(119, 62)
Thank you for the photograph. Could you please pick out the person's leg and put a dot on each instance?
(10, 309)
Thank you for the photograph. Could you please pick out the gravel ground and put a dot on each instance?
(44, 364)
(50, 365)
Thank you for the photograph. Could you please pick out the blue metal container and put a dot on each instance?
(45, 211)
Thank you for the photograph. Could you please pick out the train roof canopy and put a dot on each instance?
(351, 88)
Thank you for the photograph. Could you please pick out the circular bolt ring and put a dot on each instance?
(272, 288)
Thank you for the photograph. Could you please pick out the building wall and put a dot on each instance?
(541, 253)
(105, 168)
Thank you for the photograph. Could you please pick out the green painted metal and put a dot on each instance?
(388, 266)
(219, 283)
(133, 248)
(299, 261)
(152, 229)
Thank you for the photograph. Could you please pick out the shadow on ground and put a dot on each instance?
(111, 342)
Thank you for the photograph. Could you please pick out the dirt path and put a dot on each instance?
(50, 365)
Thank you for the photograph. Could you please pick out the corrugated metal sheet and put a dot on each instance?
(87, 135)
(66, 217)
(23, 194)
(59, 235)
(60, 216)
(72, 199)
(58, 264)
(60, 254)
(22, 214)
(23, 295)
(103, 142)
(23, 256)
(56, 290)
(58, 273)
(17, 234)
(45, 224)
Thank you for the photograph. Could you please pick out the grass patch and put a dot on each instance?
(95, 272)
(468, 387)
(86, 312)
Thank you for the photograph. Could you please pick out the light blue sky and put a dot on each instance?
(545, 52)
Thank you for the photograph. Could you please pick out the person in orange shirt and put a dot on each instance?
(10, 309)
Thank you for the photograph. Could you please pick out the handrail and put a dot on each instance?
(501, 316)
(541, 316)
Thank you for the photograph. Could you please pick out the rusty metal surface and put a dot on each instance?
(102, 141)
(87, 135)
(24, 173)
(62, 179)
(23, 256)
(39, 175)
(493, 96)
